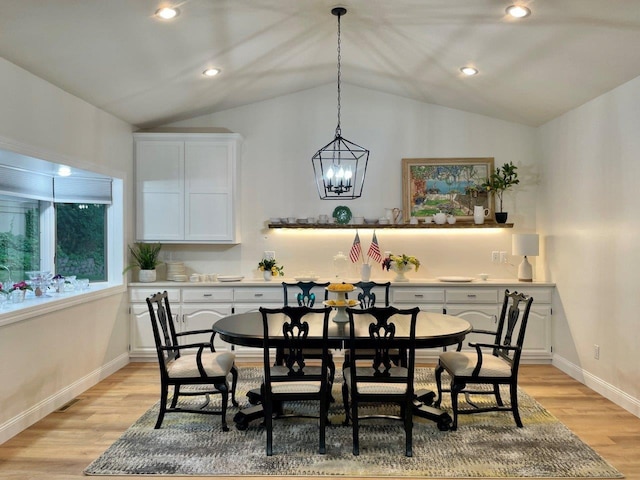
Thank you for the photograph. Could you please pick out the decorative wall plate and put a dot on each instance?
(342, 215)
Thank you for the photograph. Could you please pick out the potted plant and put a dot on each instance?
(499, 182)
(270, 268)
(147, 258)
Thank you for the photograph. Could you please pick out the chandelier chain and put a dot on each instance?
(338, 130)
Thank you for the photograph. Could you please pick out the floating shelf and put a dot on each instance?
(402, 226)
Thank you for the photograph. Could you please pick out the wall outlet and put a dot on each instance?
(495, 256)
(596, 352)
(503, 257)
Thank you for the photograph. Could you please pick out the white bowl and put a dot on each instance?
(370, 221)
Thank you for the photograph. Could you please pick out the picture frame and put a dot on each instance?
(451, 185)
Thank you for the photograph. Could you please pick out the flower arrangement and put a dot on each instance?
(21, 286)
(400, 261)
(271, 265)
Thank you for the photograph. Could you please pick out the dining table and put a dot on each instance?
(433, 330)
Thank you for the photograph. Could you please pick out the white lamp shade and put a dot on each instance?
(525, 244)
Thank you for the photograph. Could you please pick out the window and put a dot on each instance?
(19, 237)
(81, 230)
(64, 225)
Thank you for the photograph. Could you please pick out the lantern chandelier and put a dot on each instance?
(341, 165)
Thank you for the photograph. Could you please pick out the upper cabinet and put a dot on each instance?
(186, 187)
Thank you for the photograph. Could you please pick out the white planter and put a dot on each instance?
(146, 276)
(400, 272)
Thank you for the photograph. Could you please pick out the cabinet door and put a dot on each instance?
(483, 317)
(209, 191)
(203, 316)
(159, 190)
(141, 341)
(537, 340)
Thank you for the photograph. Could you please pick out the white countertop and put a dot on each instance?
(413, 282)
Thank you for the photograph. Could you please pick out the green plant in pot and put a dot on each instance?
(146, 257)
(499, 182)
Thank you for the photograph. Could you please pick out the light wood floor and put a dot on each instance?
(61, 445)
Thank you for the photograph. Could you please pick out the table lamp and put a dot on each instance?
(525, 244)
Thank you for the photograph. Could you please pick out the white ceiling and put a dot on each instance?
(116, 55)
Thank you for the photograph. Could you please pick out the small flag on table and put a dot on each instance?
(374, 249)
(356, 249)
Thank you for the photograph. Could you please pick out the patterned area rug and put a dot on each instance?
(485, 445)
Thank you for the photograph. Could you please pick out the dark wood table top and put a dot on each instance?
(432, 330)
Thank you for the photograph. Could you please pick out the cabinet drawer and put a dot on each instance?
(416, 295)
(540, 295)
(472, 295)
(141, 294)
(259, 295)
(193, 295)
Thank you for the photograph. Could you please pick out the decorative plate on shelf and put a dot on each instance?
(342, 215)
(230, 278)
(456, 279)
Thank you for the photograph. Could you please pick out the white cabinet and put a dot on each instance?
(201, 308)
(187, 187)
(480, 305)
(141, 341)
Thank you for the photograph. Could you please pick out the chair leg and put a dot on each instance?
(408, 428)
(267, 406)
(514, 404)
(345, 402)
(234, 383)
(455, 389)
(355, 427)
(438, 372)
(496, 392)
(224, 391)
(324, 409)
(164, 393)
(176, 394)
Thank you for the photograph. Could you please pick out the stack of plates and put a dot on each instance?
(176, 271)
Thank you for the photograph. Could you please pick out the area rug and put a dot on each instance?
(484, 446)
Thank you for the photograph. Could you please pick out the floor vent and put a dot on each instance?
(68, 405)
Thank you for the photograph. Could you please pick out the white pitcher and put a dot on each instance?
(479, 214)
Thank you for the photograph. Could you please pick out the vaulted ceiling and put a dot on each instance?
(118, 56)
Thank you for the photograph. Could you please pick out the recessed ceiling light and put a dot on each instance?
(64, 171)
(211, 72)
(167, 13)
(469, 71)
(518, 11)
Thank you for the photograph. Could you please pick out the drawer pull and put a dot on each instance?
(471, 295)
(258, 294)
(208, 295)
(418, 295)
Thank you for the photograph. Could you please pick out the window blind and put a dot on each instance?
(82, 190)
(27, 184)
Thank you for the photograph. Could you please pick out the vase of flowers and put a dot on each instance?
(18, 291)
(400, 264)
(270, 268)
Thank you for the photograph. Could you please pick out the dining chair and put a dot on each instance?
(380, 380)
(287, 328)
(305, 295)
(189, 363)
(490, 364)
(367, 298)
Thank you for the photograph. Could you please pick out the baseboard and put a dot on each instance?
(43, 408)
(610, 392)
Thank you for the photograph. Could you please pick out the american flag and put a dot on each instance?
(356, 249)
(374, 249)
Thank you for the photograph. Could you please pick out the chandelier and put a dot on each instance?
(340, 166)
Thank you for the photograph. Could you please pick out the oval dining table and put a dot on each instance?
(433, 330)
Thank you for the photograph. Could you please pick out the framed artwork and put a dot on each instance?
(450, 185)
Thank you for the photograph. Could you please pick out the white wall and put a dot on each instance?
(588, 217)
(49, 359)
(280, 137)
